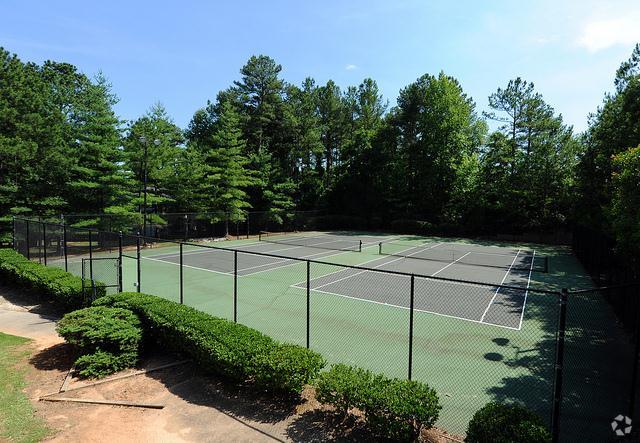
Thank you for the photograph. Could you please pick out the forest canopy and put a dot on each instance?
(264, 144)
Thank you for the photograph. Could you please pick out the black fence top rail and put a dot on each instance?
(318, 262)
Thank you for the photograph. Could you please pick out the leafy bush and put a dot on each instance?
(221, 346)
(393, 408)
(108, 338)
(54, 284)
(336, 222)
(506, 424)
(101, 363)
(407, 226)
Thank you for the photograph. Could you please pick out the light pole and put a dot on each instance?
(156, 142)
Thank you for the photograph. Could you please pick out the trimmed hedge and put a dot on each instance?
(507, 424)
(393, 408)
(108, 338)
(230, 349)
(54, 284)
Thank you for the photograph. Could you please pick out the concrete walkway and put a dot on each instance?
(19, 317)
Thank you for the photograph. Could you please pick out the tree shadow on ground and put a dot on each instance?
(57, 357)
(238, 399)
(30, 301)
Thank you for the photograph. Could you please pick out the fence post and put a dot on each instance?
(64, 245)
(557, 390)
(235, 286)
(138, 260)
(13, 234)
(181, 278)
(120, 261)
(90, 256)
(308, 303)
(247, 226)
(636, 355)
(411, 300)
(186, 227)
(44, 241)
(28, 241)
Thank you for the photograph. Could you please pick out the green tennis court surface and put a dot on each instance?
(473, 342)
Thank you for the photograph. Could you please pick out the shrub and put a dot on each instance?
(407, 226)
(218, 345)
(506, 424)
(336, 222)
(108, 338)
(54, 284)
(393, 408)
(101, 363)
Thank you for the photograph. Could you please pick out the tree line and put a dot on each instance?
(264, 144)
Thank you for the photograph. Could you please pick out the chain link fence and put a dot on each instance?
(570, 356)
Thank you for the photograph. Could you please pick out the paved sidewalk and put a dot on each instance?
(24, 320)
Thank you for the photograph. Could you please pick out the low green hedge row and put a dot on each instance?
(224, 347)
(54, 284)
(496, 422)
(108, 339)
(393, 408)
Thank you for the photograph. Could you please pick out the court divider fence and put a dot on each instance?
(549, 350)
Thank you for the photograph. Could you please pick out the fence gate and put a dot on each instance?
(100, 272)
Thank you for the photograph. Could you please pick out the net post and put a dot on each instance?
(411, 301)
(181, 276)
(64, 246)
(557, 388)
(28, 240)
(120, 261)
(546, 263)
(90, 256)
(308, 303)
(360, 246)
(235, 286)
(380, 248)
(138, 270)
(44, 241)
(260, 236)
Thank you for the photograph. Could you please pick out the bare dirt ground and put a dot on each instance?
(197, 407)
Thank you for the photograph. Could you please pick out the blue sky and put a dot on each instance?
(183, 53)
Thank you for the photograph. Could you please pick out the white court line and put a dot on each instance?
(294, 261)
(186, 266)
(341, 270)
(498, 290)
(524, 304)
(375, 267)
(211, 249)
(452, 263)
(366, 300)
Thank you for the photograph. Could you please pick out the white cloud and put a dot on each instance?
(601, 34)
(350, 67)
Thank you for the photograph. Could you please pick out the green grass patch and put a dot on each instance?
(18, 422)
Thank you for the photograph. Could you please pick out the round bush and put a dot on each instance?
(109, 338)
(496, 422)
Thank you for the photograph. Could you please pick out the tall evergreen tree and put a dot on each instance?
(157, 135)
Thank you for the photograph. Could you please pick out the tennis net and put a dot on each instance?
(523, 260)
(317, 241)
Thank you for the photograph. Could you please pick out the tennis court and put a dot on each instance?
(488, 304)
(470, 341)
